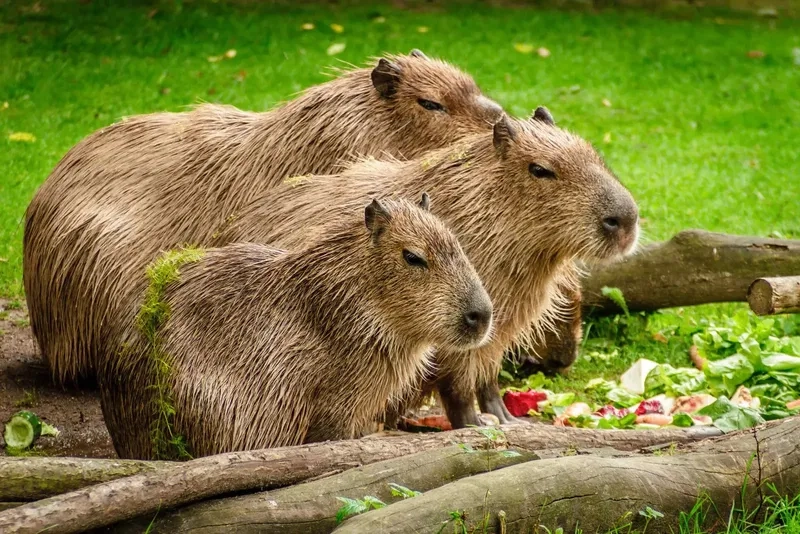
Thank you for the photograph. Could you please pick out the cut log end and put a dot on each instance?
(768, 296)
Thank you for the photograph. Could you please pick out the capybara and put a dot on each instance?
(524, 200)
(265, 348)
(153, 182)
(557, 350)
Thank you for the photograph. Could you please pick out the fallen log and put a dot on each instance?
(203, 478)
(768, 296)
(311, 507)
(694, 267)
(33, 478)
(599, 494)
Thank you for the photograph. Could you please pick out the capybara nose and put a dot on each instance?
(478, 316)
(620, 224)
(491, 109)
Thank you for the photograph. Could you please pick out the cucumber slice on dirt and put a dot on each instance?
(24, 428)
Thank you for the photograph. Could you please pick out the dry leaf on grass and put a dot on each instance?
(24, 137)
(307, 26)
(423, 29)
(543, 52)
(606, 102)
(335, 48)
(338, 28)
(755, 54)
(523, 48)
(607, 137)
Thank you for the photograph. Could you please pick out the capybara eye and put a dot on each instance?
(430, 105)
(414, 260)
(541, 172)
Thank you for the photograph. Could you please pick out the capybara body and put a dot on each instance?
(153, 182)
(524, 200)
(268, 348)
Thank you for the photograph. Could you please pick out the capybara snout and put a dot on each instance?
(477, 317)
(619, 220)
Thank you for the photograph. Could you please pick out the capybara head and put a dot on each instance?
(558, 184)
(423, 282)
(433, 98)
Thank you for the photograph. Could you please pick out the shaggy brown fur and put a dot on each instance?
(524, 202)
(151, 182)
(272, 348)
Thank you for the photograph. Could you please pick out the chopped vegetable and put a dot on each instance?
(24, 428)
(609, 410)
(728, 417)
(658, 419)
(650, 406)
(633, 379)
(690, 404)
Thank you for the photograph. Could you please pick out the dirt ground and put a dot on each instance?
(25, 384)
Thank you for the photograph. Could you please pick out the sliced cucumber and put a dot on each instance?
(24, 428)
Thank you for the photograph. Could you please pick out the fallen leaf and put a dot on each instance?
(379, 20)
(307, 26)
(152, 13)
(230, 54)
(4, 106)
(606, 102)
(214, 59)
(338, 28)
(335, 48)
(755, 54)
(212, 91)
(607, 137)
(22, 136)
(240, 76)
(165, 90)
(423, 29)
(661, 338)
(523, 48)
(543, 52)
(3, 260)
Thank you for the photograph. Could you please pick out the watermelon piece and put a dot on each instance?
(519, 403)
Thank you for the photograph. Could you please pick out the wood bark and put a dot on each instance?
(768, 296)
(694, 267)
(33, 478)
(311, 507)
(203, 478)
(598, 494)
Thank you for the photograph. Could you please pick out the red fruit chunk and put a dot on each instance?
(519, 403)
(649, 406)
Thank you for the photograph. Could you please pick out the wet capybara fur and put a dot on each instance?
(152, 182)
(266, 348)
(525, 200)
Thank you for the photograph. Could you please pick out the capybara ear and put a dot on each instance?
(386, 77)
(542, 114)
(376, 217)
(504, 134)
(425, 203)
(416, 52)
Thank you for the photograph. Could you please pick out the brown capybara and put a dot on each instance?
(556, 351)
(524, 201)
(153, 182)
(267, 348)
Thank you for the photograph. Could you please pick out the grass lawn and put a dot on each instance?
(696, 111)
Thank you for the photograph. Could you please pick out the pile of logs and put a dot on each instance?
(698, 267)
(513, 480)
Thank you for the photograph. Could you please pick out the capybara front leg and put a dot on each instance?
(458, 403)
(490, 402)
